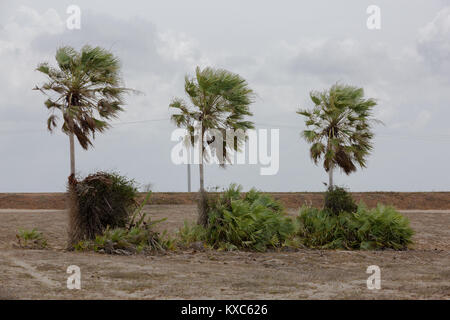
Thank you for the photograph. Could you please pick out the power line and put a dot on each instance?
(139, 121)
(428, 138)
(112, 125)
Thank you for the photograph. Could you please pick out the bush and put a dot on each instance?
(137, 235)
(254, 221)
(338, 200)
(190, 233)
(100, 200)
(31, 239)
(128, 241)
(379, 228)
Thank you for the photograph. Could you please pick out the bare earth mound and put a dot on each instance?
(401, 200)
(421, 273)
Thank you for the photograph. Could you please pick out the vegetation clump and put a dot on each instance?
(338, 200)
(253, 221)
(102, 199)
(125, 241)
(31, 239)
(109, 219)
(379, 228)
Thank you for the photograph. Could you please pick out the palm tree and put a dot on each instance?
(86, 90)
(339, 128)
(220, 101)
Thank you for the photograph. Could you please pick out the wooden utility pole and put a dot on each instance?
(189, 176)
(188, 150)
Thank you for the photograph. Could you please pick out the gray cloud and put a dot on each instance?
(434, 42)
(409, 80)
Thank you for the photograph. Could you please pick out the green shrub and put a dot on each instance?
(102, 199)
(338, 200)
(31, 239)
(128, 241)
(137, 219)
(190, 233)
(109, 220)
(133, 240)
(379, 228)
(254, 221)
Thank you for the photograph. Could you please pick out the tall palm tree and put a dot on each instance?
(85, 88)
(219, 101)
(339, 128)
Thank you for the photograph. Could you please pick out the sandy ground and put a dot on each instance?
(420, 273)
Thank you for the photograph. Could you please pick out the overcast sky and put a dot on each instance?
(284, 49)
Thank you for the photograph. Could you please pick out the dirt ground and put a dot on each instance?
(401, 200)
(420, 273)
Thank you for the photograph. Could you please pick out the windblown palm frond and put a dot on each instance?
(219, 100)
(85, 88)
(339, 127)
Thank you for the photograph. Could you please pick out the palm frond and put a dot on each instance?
(86, 88)
(220, 100)
(341, 117)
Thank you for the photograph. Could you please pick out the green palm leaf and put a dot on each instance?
(85, 88)
(339, 127)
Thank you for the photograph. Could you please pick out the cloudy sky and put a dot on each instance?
(283, 48)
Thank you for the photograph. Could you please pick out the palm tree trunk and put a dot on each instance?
(203, 198)
(189, 176)
(202, 201)
(74, 230)
(202, 183)
(189, 169)
(72, 154)
(330, 177)
(200, 166)
(331, 167)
